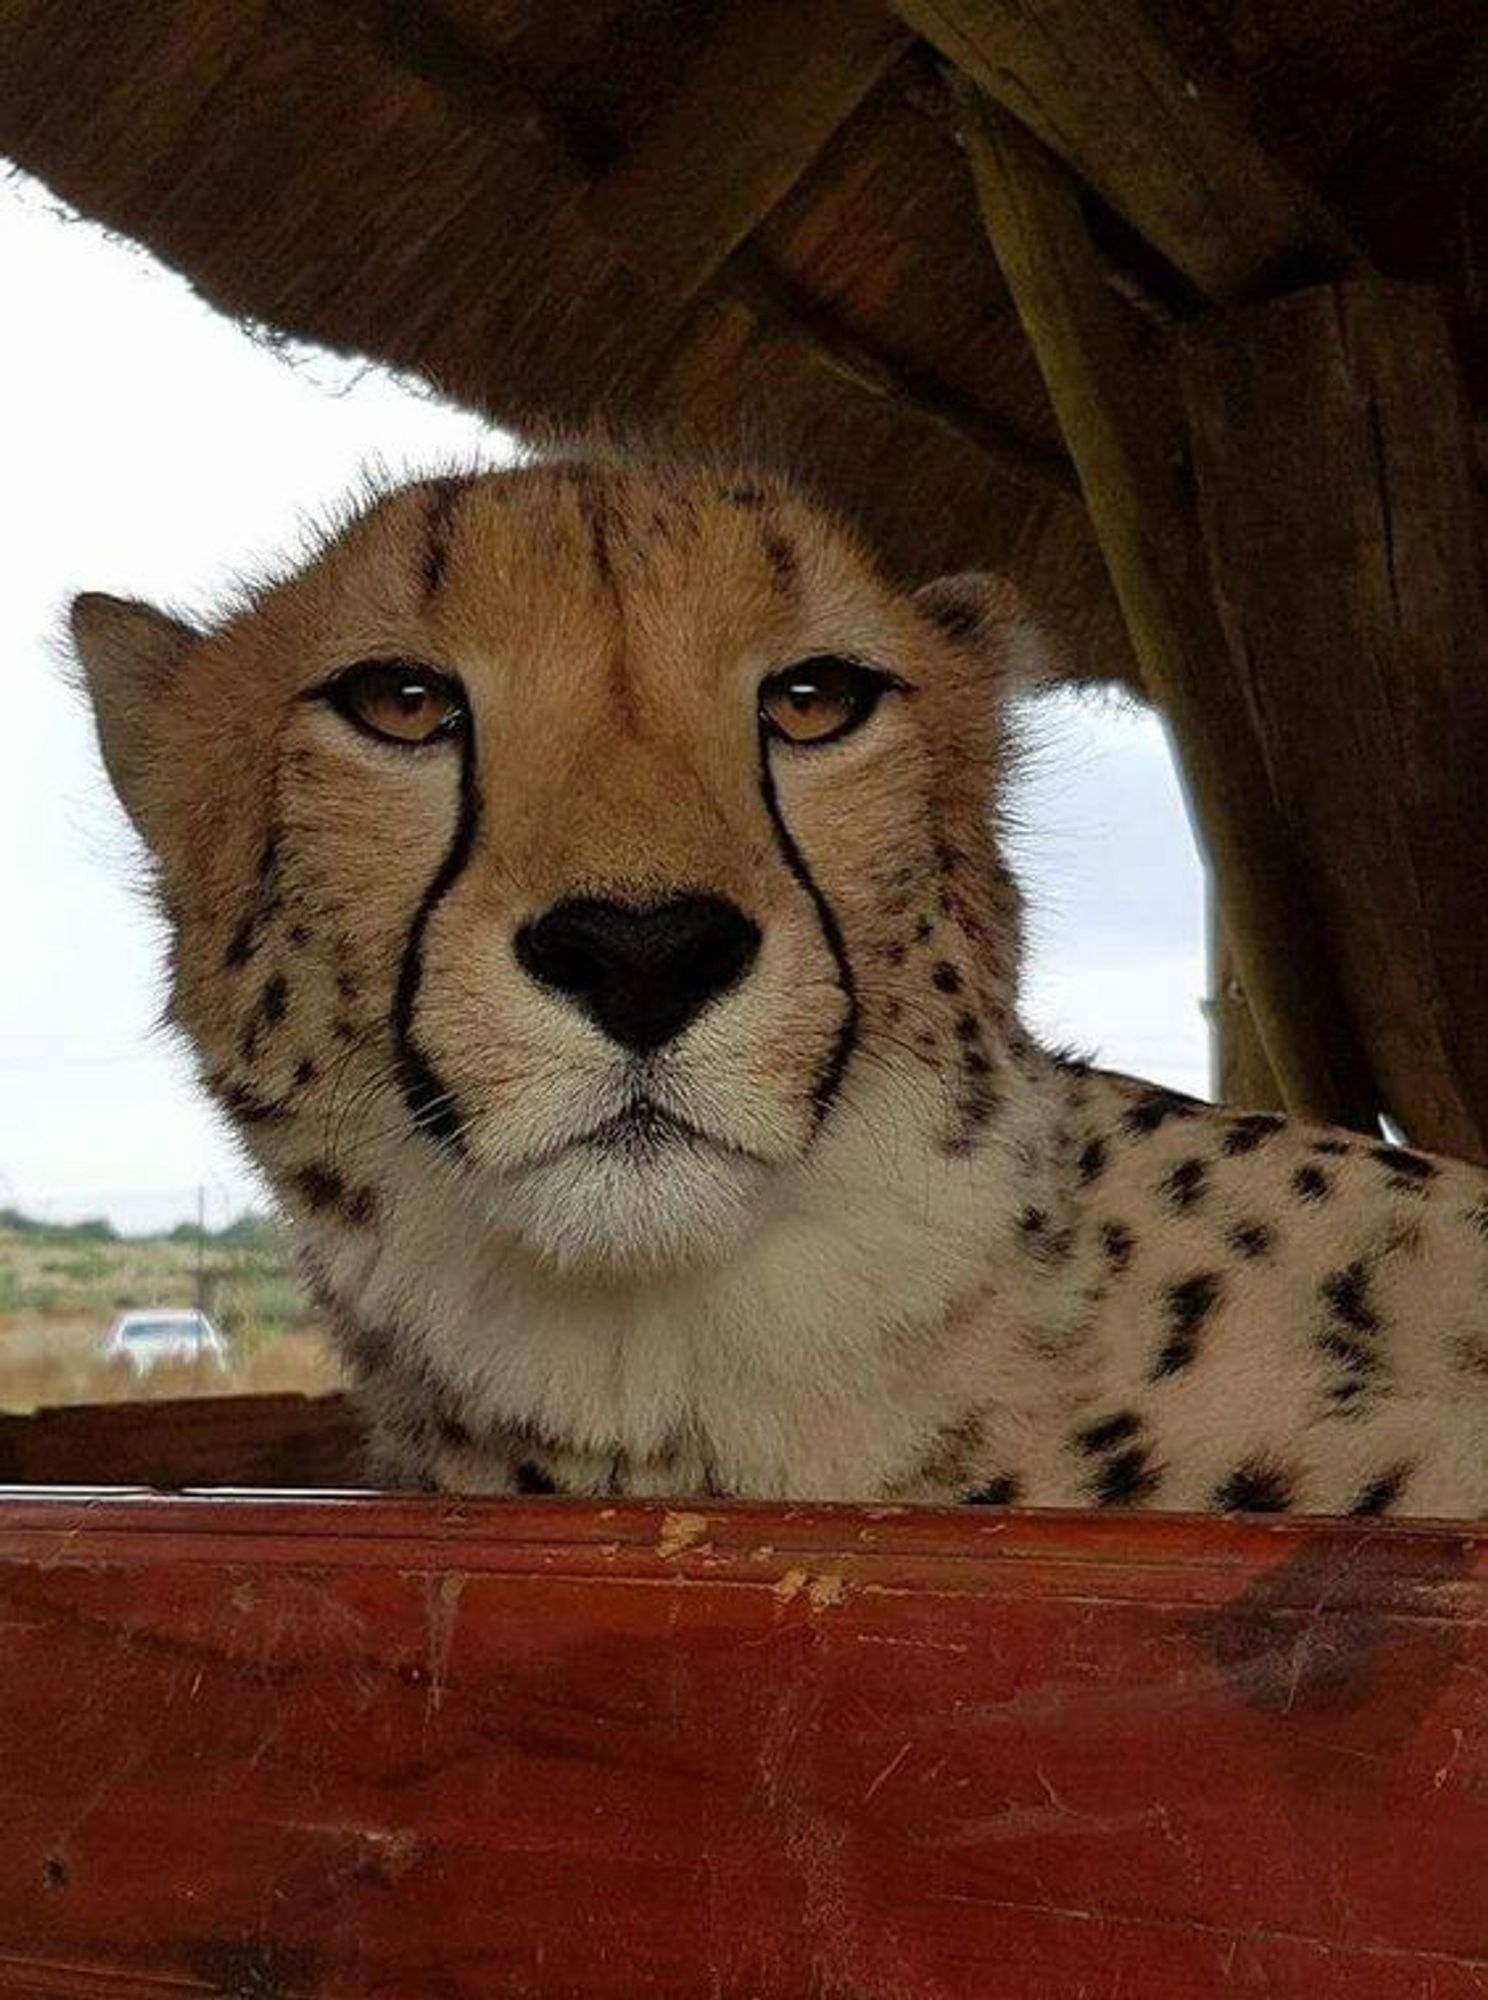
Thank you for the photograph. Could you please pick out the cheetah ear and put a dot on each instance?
(131, 656)
(986, 617)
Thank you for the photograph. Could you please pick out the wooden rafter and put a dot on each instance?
(772, 84)
(822, 334)
(1100, 86)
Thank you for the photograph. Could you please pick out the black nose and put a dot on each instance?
(640, 972)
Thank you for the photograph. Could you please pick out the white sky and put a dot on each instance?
(154, 449)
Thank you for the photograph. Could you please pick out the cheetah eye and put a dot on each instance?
(398, 701)
(821, 699)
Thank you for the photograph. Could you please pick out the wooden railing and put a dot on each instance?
(396, 1748)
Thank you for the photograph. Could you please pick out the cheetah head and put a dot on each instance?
(579, 853)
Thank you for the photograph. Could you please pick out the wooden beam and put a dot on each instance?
(286, 1440)
(1111, 410)
(1335, 479)
(1100, 86)
(791, 311)
(773, 83)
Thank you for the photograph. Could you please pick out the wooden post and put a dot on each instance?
(1335, 490)
(1111, 411)
(1240, 1069)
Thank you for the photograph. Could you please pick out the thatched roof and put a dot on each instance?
(1239, 251)
(753, 220)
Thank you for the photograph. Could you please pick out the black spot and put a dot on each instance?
(274, 1000)
(1117, 1242)
(1033, 1221)
(347, 989)
(968, 1028)
(924, 930)
(1252, 1239)
(1253, 1488)
(1381, 1493)
(1070, 1063)
(322, 1187)
(977, 1101)
(977, 1063)
(785, 564)
(954, 1451)
(896, 954)
(532, 1479)
(240, 945)
(1332, 1148)
(999, 1492)
(1346, 1295)
(1311, 1184)
(1185, 1186)
(1477, 1217)
(55, 1873)
(1354, 1353)
(1251, 1130)
(1125, 1478)
(957, 617)
(360, 1207)
(1153, 1110)
(242, 1101)
(1188, 1305)
(1109, 1431)
(1408, 1171)
(1470, 1356)
(945, 978)
(1092, 1161)
(299, 934)
(305, 1071)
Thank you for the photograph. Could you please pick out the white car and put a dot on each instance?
(151, 1338)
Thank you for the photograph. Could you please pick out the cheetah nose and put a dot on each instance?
(640, 972)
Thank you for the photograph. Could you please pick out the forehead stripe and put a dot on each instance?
(439, 530)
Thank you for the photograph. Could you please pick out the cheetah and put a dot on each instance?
(587, 902)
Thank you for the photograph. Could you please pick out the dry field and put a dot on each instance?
(61, 1288)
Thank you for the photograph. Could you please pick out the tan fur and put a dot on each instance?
(917, 1290)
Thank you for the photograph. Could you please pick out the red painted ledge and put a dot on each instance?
(279, 1747)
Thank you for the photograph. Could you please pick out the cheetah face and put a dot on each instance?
(578, 848)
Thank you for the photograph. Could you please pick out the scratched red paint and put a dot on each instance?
(406, 1748)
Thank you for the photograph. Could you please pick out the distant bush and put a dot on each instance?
(95, 1230)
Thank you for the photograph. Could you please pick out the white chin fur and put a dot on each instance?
(595, 1209)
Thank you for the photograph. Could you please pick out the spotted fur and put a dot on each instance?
(848, 1232)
